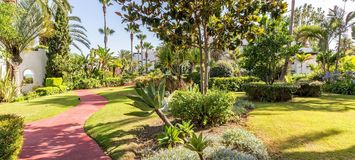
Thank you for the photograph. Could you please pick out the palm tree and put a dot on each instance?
(141, 38)
(343, 22)
(301, 57)
(132, 29)
(106, 32)
(26, 27)
(105, 4)
(78, 33)
(147, 46)
(104, 56)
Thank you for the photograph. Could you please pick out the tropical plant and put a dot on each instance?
(141, 38)
(23, 24)
(78, 33)
(186, 129)
(104, 57)
(302, 58)
(197, 144)
(106, 31)
(132, 29)
(7, 90)
(170, 137)
(151, 98)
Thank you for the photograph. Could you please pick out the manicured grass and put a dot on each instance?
(307, 128)
(42, 107)
(116, 126)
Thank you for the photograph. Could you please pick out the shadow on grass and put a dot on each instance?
(62, 100)
(298, 141)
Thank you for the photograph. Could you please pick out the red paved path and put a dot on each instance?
(63, 137)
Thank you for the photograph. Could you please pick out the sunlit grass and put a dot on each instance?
(42, 107)
(307, 128)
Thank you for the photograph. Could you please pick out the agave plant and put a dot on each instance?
(197, 144)
(170, 137)
(151, 98)
(186, 129)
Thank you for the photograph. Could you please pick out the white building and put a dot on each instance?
(304, 68)
(152, 59)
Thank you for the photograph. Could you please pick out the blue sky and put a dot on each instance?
(90, 12)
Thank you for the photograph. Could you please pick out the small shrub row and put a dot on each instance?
(212, 109)
(346, 87)
(11, 136)
(88, 83)
(113, 82)
(269, 93)
(45, 91)
(309, 89)
(231, 83)
(53, 82)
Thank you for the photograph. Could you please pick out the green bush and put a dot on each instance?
(195, 77)
(113, 82)
(11, 136)
(88, 83)
(53, 82)
(142, 81)
(245, 142)
(226, 153)
(215, 108)
(222, 69)
(7, 90)
(269, 93)
(177, 153)
(309, 89)
(62, 88)
(346, 87)
(241, 107)
(45, 91)
(231, 83)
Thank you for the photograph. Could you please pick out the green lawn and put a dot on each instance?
(42, 107)
(115, 127)
(307, 128)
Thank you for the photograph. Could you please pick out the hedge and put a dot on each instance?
(269, 93)
(45, 91)
(11, 136)
(231, 83)
(113, 82)
(346, 87)
(53, 82)
(309, 89)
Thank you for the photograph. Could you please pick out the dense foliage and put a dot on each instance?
(346, 87)
(231, 83)
(222, 69)
(309, 89)
(11, 135)
(269, 93)
(214, 108)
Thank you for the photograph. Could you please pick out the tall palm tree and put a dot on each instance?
(106, 32)
(302, 58)
(147, 46)
(343, 22)
(141, 38)
(78, 33)
(105, 4)
(27, 25)
(132, 29)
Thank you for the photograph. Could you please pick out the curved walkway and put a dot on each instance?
(63, 136)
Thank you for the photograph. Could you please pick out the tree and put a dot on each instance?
(59, 43)
(301, 57)
(147, 46)
(264, 58)
(308, 15)
(104, 57)
(205, 24)
(141, 38)
(78, 33)
(105, 30)
(20, 26)
(132, 29)
(343, 23)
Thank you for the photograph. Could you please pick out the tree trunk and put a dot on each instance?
(163, 117)
(287, 58)
(146, 62)
(201, 156)
(105, 25)
(142, 54)
(201, 61)
(338, 54)
(131, 68)
(207, 59)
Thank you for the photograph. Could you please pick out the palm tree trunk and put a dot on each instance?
(146, 62)
(207, 59)
(142, 53)
(163, 117)
(131, 68)
(338, 54)
(105, 25)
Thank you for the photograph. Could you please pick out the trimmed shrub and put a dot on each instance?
(178, 153)
(113, 82)
(309, 89)
(11, 136)
(225, 153)
(222, 69)
(346, 87)
(215, 108)
(88, 83)
(45, 91)
(245, 142)
(142, 81)
(63, 88)
(269, 93)
(53, 82)
(231, 83)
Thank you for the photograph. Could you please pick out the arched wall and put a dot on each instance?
(36, 62)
